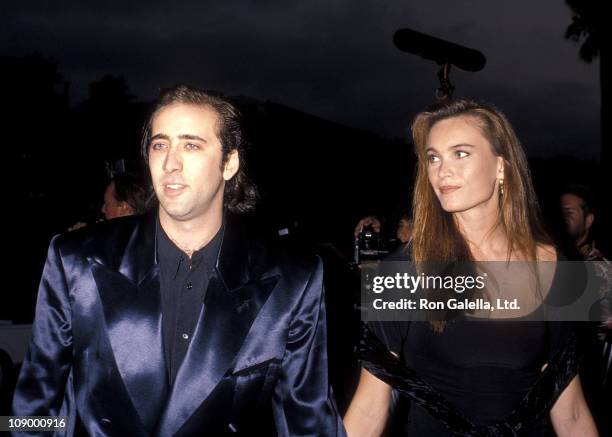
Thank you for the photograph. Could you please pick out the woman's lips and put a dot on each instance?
(446, 189)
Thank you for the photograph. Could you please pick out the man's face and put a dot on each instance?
(404, 230)
(577, 223)
(112, 207)
(185, 160)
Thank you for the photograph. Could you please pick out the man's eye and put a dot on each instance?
(157, 146)
(192, 146)
(461, 154)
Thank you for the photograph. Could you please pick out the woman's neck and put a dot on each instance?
(483, 233)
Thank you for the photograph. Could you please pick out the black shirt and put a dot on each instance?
(183, 284)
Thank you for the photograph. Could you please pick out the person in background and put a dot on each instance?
(403, 232)
(124, 195)
(404, 229)
(579, 216)
(397, 243)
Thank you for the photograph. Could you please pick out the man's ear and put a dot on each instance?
(232, 164)
(126, 207)
(588, 221)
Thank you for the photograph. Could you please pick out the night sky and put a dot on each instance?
(334, 59)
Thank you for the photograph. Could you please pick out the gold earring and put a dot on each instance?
(501, 187)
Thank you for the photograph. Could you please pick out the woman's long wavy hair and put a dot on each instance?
(436, 236)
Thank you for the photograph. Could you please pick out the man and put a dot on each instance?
(124, 196)
(399, 244)
(576, 206)
(176, 323)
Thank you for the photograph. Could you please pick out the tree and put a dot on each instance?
(588, 27)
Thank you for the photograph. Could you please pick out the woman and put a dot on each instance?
(473, 201)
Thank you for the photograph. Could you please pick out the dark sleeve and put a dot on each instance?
(391, 334)
(42, 388)
(303, 402)
(563, 364)
(558, 336)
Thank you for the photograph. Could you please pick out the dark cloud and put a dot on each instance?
(334, 58)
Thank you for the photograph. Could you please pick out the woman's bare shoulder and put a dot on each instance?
(546, 252)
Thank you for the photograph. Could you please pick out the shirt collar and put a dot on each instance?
(170, 256)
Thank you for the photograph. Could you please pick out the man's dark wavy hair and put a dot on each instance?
(130, 189)
(582, 191)
(240, 194)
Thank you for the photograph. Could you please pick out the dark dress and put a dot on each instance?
(483, 369)
(476, 378)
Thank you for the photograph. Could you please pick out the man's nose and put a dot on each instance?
(172, 161)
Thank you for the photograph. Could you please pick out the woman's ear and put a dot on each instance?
(500, 167)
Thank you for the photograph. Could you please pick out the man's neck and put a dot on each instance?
(581, 240)
(191, 235)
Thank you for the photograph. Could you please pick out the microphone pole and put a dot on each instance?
(444, 53)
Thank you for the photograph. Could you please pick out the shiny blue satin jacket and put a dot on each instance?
(96, 351)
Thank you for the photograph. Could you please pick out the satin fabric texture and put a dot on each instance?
(96, 353)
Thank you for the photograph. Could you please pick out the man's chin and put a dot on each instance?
(175, 214)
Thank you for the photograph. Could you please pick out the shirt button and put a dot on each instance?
(185, 336)
(189, 286)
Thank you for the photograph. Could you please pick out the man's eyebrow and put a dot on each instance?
(192, 137)
(181, 137)
(160, 137)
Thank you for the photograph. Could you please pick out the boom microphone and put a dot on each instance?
(439, 50)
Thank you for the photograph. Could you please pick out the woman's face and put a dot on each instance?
(462, 168)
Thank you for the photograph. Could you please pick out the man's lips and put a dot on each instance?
(446, 189)
(173, 188)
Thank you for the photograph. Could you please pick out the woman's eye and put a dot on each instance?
(461, 154)
(432, 158)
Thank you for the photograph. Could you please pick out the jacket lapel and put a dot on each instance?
(233, 300)
(131, 303)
